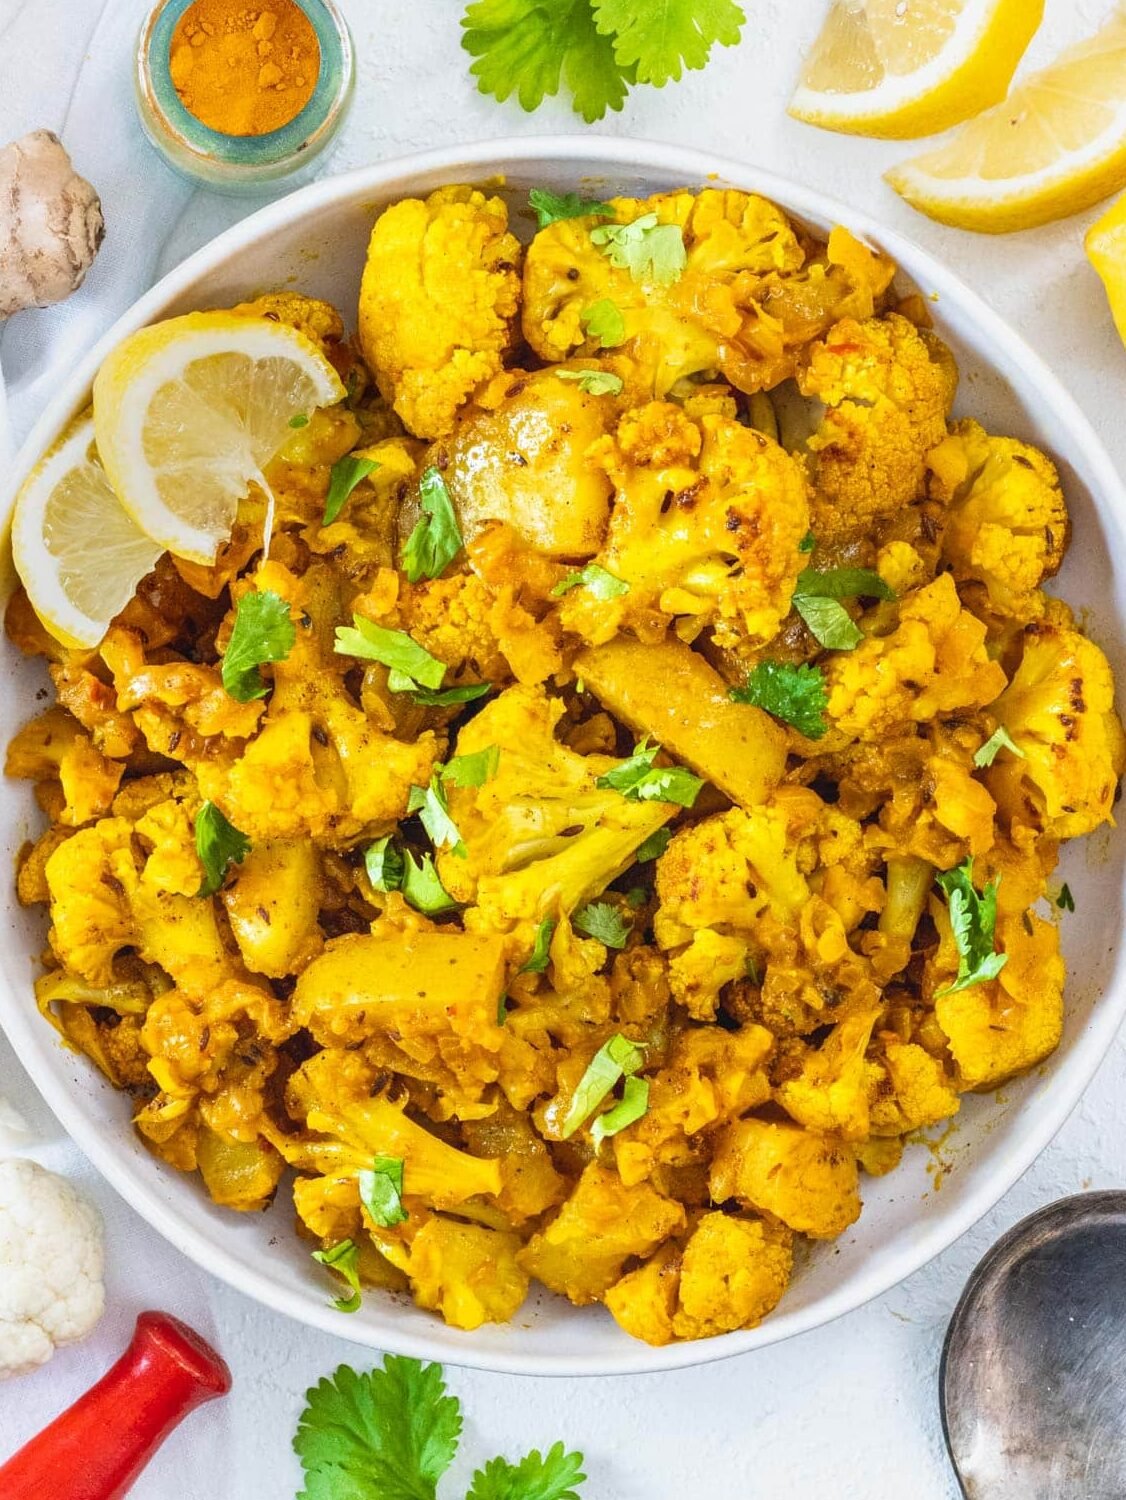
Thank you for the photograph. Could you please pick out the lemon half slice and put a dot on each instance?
(78, 552)
(189, 412)
(1055, 147)
(898, 68)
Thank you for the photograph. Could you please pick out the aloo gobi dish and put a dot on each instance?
(587, 793)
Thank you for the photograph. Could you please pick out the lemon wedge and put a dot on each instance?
(1055, 147)
(189, 412)
(901, 68)
(1106, 250)
(79, 554)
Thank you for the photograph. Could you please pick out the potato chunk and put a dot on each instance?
(467, 1272)
(272, 903)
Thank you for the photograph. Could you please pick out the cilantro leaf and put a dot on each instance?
(384, 865)
(541, 953)
(639, 780)
(381, 1191)
(973, 920)
(530, 47)
(807, 543)
(629, 1109)
(550, 1477)
(617, 1058)
(219, 845)
(343, 1257)
(390, 1432)
(472, 770)
(263, 631)
(654, 846)
(1065, 900)
(466, 693)
(796, 695)
(594, 382)
(601, 583)
(434, 812)
(603, 321)
(602, 921)
(647, 249)
(436, 539)
(422, 888)
(659, 38)
(343, 478)
(550, 207)
(394, 649)
(999, 740)
(300, 420)
(829, 622)
(842, 583)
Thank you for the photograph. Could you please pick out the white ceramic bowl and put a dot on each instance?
(314, 240)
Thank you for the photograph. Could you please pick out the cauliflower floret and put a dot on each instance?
(751, 291)
(438, 302)
(933, 662)
(887, 387)
(909, 1089)
(467, 1272)
(1002, 1028)
(90, 878)
(603, 1223)
(707, 521)
(1059, 711)
(55, 745)
(479, 630)
(808, 1181)
(51, 1264)
(733, 1273)
(1007, 525)
(541, 837)
(829, 1094)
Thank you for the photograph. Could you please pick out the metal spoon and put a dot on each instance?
(1033, 1375)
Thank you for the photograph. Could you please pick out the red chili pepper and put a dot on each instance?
(96, 1448)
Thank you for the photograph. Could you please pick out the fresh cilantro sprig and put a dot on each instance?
(615, 1059)
(263, 631)
(639, 780)
(601, 583)
(381, 1191)
(594, 382)
(219, 845)
(391, 1433)
(549, 208)
(999, 740)
(345, 474)
(646, 248)
(817, 596)
(436, 539)
(600, 920)
(973, 921)
(794, 694)
(597, 49)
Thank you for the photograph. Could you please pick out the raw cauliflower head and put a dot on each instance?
(751, 291)
(707, 520)
(1007, 523)
(438, 303)
(51, 1264)
(887, 387)
(1059, 710)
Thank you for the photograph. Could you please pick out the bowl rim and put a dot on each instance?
(484, 160)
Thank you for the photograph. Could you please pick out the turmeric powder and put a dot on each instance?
(244, 70)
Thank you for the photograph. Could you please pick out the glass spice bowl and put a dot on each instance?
(242, 163)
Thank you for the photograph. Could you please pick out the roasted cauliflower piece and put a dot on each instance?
(829, 1092)
(55, 746)
(1059, 710)
(934, 661)
(438, 303)
(706, 523)
(887, 387)
(910, 1089)
(467, 1272)
(1006, 523)
(750, 293)
(808, 1181)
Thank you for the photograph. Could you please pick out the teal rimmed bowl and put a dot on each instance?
(242, 163)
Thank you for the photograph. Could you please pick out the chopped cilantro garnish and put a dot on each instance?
(384, 865)
(219, 845)
(549, 207)
(473, 769)
(343, 1258)
(436, 539)
(807, 543)
(973, 920)
(629, 1108)
(654, 846)
(999, 740)
(466, 693)
(603, 321)
(395, 650)
(1065, 900)
(381, 1191)
(602, 921)
(344, 476)
(647, 249)
(639, 780)
(433, 811)
(263, 631)
(594, 382)
(617, 1058)
(602, 584)
(300, 420)
(815, 599)
(541, 952)
(796, 695)
(422, 888)
(829, 623)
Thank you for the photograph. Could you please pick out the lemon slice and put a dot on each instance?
(896, 68)
(189, 412)
(1056, 146)
(1106, 250)
(79, 554)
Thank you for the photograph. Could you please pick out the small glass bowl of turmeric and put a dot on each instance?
(240, 95)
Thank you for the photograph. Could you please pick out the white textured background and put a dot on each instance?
(849, 1413)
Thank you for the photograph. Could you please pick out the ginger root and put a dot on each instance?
(52, 223)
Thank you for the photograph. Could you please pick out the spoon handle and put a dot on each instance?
(96, 1448)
